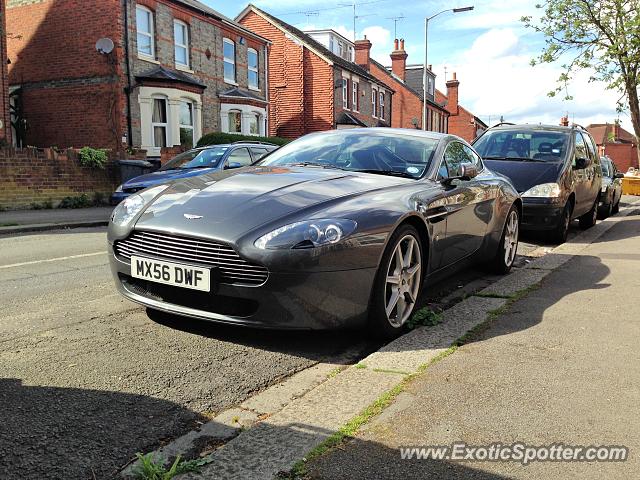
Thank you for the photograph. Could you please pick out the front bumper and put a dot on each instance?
(541, 213)
(297, 301)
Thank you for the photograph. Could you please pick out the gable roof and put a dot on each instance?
(313, 45)
(406, 85)
(202, 8)
(602, 131)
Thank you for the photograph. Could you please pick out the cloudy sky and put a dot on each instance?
(488, 48)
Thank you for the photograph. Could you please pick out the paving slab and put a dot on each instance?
(517, 281)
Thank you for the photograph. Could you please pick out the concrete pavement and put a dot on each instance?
(561, 366)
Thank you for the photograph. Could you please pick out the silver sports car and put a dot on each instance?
(335, 229)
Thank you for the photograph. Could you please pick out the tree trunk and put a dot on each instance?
(634, 108)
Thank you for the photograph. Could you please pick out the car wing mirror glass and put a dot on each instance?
(581, 163)
(231, 165)
(467, 172)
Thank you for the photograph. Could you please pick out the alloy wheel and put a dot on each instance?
(404, 274)
(511, 238)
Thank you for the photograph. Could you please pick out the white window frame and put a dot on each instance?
(165, 124)
(150, 34)
(191, 127)
(229, 60)
(255, 69)
(355, 92)
(340, 49)
(381, 111)
(345, 94)
(248, 112)
(238, 112)
(374, 103)
(258, 118)
(177, 45)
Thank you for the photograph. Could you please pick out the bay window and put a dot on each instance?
(235, 122)
(229, 54)
(186, 124)
(145, 32)
(159, 122)
(181, 43)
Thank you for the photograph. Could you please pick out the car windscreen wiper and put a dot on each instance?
(393, 173)
(515, 159)
(314, 164)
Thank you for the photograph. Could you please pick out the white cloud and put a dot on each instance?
(381, 43)
(496, 79)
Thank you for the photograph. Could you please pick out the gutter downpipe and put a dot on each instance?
(127, 62)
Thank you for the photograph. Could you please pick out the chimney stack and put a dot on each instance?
(452, 94)
(363, 52)
(399, 59)
(564, 121)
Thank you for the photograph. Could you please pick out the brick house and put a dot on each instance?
(462, 122)
(5, 119)
(178, 69)
(407, 102)
(311, 88)
(616, 143)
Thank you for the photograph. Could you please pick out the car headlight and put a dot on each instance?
(308, 234)
(119, 189)
(127, 210)
(544, 190)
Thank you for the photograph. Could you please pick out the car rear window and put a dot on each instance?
(523, 144)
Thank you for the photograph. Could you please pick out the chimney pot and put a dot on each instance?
(395, 44)
(455, 76)
(430, 68)
(402, 44)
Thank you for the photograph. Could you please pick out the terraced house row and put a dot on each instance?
(151, 74)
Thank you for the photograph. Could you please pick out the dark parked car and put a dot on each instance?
(555, 169)
(611, 191)
(196, 162)
(334, 229)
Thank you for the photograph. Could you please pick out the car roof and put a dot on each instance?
(400, 131)
(536, 127)
(238, 144)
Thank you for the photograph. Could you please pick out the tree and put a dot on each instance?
(600, 35)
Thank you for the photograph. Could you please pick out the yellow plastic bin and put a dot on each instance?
(631, 186)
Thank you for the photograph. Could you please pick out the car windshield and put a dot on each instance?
(523, 145)
(207, 158)
(359, 150)
(606, 167)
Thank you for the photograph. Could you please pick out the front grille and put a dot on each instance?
(232, 268)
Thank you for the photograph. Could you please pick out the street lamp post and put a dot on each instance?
(426, 49)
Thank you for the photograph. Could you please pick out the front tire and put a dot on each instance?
(561, 232)
(588, 220)
(508, 248)
(616, 208)
(397, 285)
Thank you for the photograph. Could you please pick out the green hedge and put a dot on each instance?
(217, 138)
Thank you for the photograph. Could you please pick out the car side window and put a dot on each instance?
(474, 157)
(241, 156)
(454, 157)
(591, 149)
(581, 148)
(258, 153)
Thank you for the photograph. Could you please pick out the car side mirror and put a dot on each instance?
(468, 171)
(581, 163)
(231, 165)
(619, 175)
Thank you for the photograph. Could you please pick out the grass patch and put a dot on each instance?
(361, 366)
(8, 224)
(151, 468)
(334, 372)
(389, 370)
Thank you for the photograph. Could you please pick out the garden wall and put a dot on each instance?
(42, 177)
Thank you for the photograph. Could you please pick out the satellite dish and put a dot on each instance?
(104, 46)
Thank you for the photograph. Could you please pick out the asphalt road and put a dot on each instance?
(87, 379)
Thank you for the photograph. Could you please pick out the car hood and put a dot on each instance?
(525, 175)
(161, 176)
(231, 203)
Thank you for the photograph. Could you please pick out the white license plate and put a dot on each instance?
(169, 273)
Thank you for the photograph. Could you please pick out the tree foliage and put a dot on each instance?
(602, 36)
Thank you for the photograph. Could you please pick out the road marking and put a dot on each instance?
(59, 259)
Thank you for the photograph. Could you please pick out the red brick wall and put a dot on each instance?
(286, 79)
(406, 106)
(624, 155)
(318, 93)
(36, 176)
(72, 94)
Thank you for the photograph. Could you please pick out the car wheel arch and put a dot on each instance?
(423, 230)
